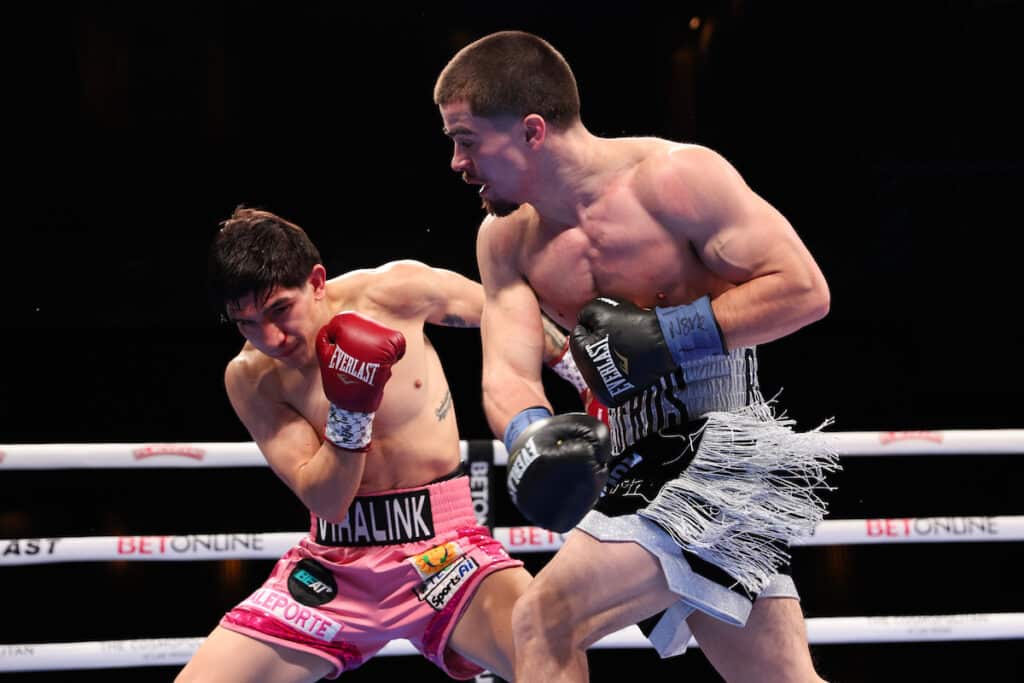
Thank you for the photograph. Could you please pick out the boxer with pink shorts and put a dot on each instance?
(343, 392)
(402, 564)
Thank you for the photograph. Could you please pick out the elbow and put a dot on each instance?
(328, 510)
(326, 502)
(332, 516)
(818, 299)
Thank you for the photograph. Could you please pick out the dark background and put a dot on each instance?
(888, 135)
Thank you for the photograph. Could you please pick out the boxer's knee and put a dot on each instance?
(545, 612)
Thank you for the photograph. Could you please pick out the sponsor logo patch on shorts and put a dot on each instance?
(312, 584)
(437, 558)
(439, 589)
(387, 519)
(284, 609)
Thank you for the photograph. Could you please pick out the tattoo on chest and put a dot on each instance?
(454, 321)
(446, 404)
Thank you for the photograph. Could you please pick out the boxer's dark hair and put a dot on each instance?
(511, 72)
(255, 251)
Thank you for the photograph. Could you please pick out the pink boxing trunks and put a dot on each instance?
(403, 564)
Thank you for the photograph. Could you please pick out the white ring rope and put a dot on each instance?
(820, 631)
(522, 539)
(246, 454)
(517, 539)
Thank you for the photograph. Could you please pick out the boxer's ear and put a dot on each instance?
(535, 129)
(318, 281)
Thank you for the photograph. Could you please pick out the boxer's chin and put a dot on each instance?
(498, 208)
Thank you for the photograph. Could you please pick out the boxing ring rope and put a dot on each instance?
(820, 631)
(516, 539)
(521, 539)
(246, 454)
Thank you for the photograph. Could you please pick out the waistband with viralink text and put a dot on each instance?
(386, 519)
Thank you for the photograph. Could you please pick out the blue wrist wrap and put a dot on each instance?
(521, 422)
(691, 331)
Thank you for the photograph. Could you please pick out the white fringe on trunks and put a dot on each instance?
(752, 481)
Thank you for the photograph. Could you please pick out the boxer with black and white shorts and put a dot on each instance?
(672, 270)
(703, 475)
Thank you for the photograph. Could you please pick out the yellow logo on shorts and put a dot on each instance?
(437, 558)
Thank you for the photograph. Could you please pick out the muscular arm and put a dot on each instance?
(323, 476)
(554, 339)
(744, 240)
(453, 300)
(511, 329)
(435, 295)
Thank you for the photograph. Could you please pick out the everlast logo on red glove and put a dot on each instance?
(361, 370)
(354, 386)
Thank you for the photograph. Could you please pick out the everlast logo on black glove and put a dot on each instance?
(601, 355)
(556, 468)
(521, 459)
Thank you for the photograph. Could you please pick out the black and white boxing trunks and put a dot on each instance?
(715, 485)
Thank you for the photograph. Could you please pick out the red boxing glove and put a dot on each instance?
(356, 355)
(592, 404)
(565, 367)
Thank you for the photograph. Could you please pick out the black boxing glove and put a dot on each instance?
(621, 348)
(557, 466)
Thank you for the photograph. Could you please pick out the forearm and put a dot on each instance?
(621, 348)
(512, 366)
(769, 307)
(329, 480)
(504, 398)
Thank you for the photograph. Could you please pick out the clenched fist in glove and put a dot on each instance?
(557, 466)
(621, 349)
(356, 355)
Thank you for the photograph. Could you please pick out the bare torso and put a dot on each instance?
(415, 436)
(618, 248)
